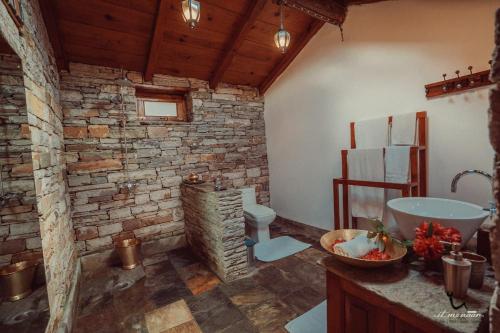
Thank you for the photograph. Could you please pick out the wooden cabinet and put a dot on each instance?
(402, 327)
(397, 299)
(354, 310)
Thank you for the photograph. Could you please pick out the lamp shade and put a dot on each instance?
(282, 40)
(191, 12)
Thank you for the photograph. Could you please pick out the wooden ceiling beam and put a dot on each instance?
(330, 11)
(298, 45)
(236, 39)
(48, 9)
(155, 47)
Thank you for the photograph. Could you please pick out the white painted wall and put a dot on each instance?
(391, 50)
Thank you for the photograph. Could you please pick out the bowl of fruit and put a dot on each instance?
(362, 248)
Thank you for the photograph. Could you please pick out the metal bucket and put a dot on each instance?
(17, 279)
(128, 250)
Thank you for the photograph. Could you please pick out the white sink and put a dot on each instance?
(411, 212)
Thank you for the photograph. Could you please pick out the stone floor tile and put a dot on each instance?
(198, 278)
(167, 317)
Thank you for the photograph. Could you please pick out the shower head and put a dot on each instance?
(124, 82)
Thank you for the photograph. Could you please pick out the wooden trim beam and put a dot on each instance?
(330, 11)
(156, 40)
(48, 9)
(236, 39)
(300, 43)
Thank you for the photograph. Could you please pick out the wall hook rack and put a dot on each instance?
(458, 83)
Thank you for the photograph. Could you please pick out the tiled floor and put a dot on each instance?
(28, 315)
(272, 295)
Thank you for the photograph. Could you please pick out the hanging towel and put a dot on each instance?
(372, 133)
(397, 164)
(397, 170)
(366, 164)
(403, 129)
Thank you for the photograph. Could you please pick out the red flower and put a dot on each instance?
(428, 236)
(429, 248)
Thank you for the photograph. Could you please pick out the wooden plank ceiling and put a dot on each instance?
(232, 43)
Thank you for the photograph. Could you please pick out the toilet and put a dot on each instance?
(257, 217)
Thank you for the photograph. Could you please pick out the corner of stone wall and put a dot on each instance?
(494, 127)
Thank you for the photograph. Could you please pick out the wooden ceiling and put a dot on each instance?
(232, 43)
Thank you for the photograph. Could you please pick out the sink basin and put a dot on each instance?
(411, 212)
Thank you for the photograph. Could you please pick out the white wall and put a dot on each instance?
(391, 50)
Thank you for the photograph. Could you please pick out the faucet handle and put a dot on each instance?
(492, 208)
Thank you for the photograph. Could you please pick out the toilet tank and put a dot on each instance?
(248, 195)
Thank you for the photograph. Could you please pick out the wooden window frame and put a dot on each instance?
(168, 96)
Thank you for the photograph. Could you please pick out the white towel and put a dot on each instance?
(366, 164)
(372, 133)
(397, 164)
(356, 247)
(397, 170)
(403, 129)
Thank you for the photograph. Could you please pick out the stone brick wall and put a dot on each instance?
(19, 225)
(226, 137)
(215, 229)
(49, 170)
(495, 142)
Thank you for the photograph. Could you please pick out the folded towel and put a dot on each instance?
(397, 164)
(356, 247)
(403, 129)
(372, 133)
(366, 164)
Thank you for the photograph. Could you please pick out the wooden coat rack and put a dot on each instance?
(417, 186)
(458, 84)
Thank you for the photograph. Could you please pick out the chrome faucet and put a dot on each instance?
(492, 209)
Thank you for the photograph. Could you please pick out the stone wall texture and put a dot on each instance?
(45, 126)
(495, 142)
(225, 138)
(215, 229)
(19, 226)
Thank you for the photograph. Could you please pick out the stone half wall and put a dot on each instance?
(226, 137)
(495, 142)
(49, 169)
(215, 229)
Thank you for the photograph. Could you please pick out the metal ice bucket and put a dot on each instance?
(17, 279)
(128, 250)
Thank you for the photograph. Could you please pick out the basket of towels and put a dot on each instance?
(356, 248)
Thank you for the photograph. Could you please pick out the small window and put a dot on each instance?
(161, 105)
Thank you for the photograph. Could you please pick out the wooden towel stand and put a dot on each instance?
(417, 186)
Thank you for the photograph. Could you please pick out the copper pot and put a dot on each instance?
(128, 250)
(17, 279)
(193, 177)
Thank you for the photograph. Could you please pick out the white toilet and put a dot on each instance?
(258, 217)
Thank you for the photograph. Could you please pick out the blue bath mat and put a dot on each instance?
(277, 248)
(313, 321)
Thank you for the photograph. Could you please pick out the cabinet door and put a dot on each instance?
(357, 315)
(402, 327)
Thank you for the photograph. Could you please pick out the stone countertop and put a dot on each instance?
(419, 292)
(209, 188)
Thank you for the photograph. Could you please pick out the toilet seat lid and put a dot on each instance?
(258, 212)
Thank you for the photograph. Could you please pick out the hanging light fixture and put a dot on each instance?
(282, 37)
(191, 12)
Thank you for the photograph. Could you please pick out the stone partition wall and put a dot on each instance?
(494, 127)
(215, 229)
(19, 225)
(41, 84)
(225, 137)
